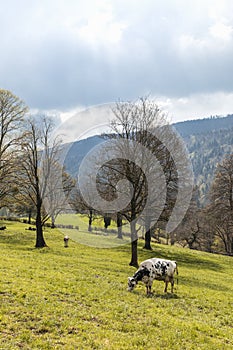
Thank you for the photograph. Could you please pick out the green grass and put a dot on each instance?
(82, 222)
(73, 219)
(77, 298)
(96, 238)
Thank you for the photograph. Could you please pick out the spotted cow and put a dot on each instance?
(154, 269)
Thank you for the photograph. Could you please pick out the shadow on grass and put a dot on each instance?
(16, 239)
(156, 295)
(195, 282)
(191, 259)
(21, 241)
(165, 296)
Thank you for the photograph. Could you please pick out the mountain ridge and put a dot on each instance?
(208, 141)
(198, 126)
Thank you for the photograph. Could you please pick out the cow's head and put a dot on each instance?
(131, 283)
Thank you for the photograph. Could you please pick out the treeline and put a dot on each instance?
(207, 150)
(210, 228)
(204, 226)
(208, 224)
(205, 125)
(32, 180)
(141, 175)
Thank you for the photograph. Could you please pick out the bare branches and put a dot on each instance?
(39, 153)
(12, 113)
(138, 159)
(220, 209)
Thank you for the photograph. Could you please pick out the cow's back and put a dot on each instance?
(149, 264)
(154, 264)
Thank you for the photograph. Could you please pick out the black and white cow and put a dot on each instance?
(154, 269)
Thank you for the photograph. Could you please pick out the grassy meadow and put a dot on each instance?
(97, 238)
(77, 298)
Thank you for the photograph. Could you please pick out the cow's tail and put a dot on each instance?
(177, 273)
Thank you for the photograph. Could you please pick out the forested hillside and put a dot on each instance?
(206, 151)
(77, 151)
(199, 126)
(208, 141)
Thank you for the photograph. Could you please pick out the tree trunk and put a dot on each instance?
(107, 222)
(172, 238)
(148, 240)
(229, 246)
(134, 254)
(119, 226)
(167, 238)
(40, 242)
(148, 234)
(134, 245)
(90, 220)
(29, 216)
(52, 221)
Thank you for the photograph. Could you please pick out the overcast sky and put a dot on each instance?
(63, 55)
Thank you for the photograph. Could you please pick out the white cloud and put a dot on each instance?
(67, 114)
(83, 122)
(216, 38)
(221, 31)
(101, 28)
(64, 54)
(198, 106)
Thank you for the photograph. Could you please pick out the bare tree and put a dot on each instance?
(189, 232)
(20, 204)
(59, 187)
(38, 157)
(221, 203)
(208, 242)
(83, 207)
(134, 124)
(134, 173)
(12, 113)
(195, 230)
(119, 223)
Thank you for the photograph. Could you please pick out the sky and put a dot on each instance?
(62, 56)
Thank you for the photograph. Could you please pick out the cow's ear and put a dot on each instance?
(129, 279)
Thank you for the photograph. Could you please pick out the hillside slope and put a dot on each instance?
(77, 298)
(205, 125)
(207, 140)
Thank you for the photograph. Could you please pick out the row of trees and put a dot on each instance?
(137, 173)
(207, 149)
(145, 177)
(30, 174)
(210, 228)
(207, 228)
(30, 168)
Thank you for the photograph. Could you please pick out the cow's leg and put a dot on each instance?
(148, 288)
(166, 284)
(172, 285)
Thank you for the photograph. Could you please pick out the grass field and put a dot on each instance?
(77, 298)
(97, 238)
